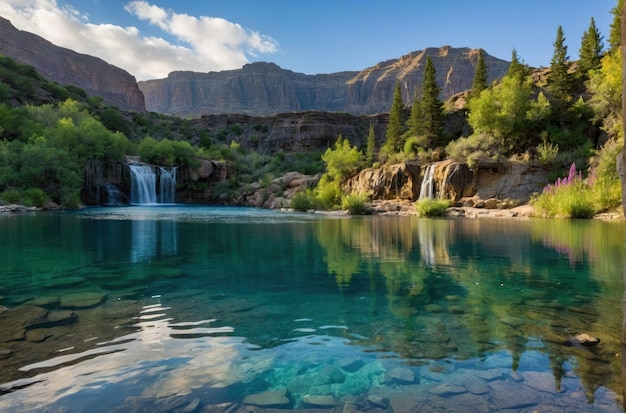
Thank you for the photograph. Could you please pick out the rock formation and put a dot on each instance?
(265, 88)
(66, 67)
(293, 131)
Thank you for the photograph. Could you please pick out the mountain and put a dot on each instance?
(66, 67)
(265, 88)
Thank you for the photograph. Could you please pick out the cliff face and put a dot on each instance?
(265, 88)
(66, 67)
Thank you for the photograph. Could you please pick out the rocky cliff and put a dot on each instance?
(265, 88)
(66, 67)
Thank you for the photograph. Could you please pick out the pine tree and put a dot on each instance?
(432, 107)
(393, 138)
(590, 50)
(414, 123)
(480, 75)
(516, 67)
(559, 81)
(615, 35)
(371, 145)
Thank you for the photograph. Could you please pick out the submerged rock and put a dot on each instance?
(82, 300)
(270, 398)
(318, 401)
(583, 339)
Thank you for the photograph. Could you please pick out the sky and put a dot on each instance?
(151, 38)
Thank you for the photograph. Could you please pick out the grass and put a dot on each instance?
(432, 207)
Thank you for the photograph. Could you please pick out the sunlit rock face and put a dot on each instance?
(265, 88)
(66, 67)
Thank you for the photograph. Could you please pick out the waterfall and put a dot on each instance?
(167, 185)
(142, 184)
(111, 196)
(427, 191)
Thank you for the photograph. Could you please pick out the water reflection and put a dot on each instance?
(220, 306)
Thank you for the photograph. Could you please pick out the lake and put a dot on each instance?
(210, 309)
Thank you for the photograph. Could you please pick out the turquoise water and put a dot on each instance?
(181, 308)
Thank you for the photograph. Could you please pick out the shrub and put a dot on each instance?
(432, 207)
(303, 201)
(328, 193)
(568, 197)
(355, 203)
(11, 196)
(547, 151)
(35, 197)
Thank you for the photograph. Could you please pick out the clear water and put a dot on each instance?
(211, 309)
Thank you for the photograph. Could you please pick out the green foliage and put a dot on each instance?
(11, 196)
(328, 193)
(236, 129)
(303, 201)
(559, 80)
(370, 152)
(355, 203)
(503, 111)
(517, 68)
(474, 148)
(393, 136)
(113, 121)
(432, 207)
(479, 83)
(342, 161)
(4, 92)
(547, 152)
(167, 152)
(569, 201)
(590, 50)
(35, 197)
(615, 35)
(431, 108)
(605, 85)
(604, 180)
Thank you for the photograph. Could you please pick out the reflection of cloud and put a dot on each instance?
(206, 43)
(150, 358)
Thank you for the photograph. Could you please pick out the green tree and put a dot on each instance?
(615, 35)
(517, 67)
(370, 153)
(393, 137)
(432, 107)
(590, 50)
(502, 111)
(479, 83)
(343, 160)
(559, 81)
(605, 85)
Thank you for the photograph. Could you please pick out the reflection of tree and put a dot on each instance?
(464, 288)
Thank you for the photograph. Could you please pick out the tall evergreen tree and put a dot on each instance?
(414, 123)
(559, 81)
(615, 35)
(516, 67)
(393, 138)
(479, 83)
(370, 151)
(432, 107)
(590, 52)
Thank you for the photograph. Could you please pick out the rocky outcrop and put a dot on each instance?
(293, 131)
(66, 67)
(489, 184)
(400, 181)
(265, 88)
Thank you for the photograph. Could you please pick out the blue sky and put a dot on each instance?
(154, 37)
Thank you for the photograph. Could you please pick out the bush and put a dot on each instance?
(11, 196)
(355, 203)
(303, 201)
(569, 197)
(432, 207)
(35, 197)
(328, 193)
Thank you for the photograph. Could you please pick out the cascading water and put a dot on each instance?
(142, 184)
(167, 185)
(427, 190)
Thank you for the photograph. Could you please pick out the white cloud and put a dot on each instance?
(205, 43)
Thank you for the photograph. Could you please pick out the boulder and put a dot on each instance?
(399, 181)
